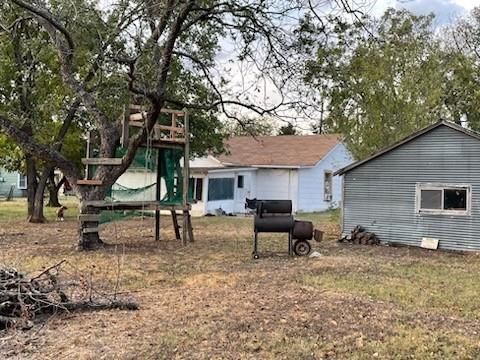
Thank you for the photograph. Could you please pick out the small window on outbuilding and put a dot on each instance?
(240, 181)
(327, 185)
(443, 199)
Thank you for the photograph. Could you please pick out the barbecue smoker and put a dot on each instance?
(275, 216)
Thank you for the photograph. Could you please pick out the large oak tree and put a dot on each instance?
(157, 53)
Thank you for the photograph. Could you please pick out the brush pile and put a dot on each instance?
(22, 298)
(360, 236)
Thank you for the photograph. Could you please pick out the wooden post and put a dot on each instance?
(158, 196)
(175, 225)
(125, 125)
(174, 125)
(186, 175)
(87, 155)
(190, 227)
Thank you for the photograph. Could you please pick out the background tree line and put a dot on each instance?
(381, 79)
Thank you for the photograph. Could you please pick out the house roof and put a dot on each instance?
(408, 139)
(278, 151)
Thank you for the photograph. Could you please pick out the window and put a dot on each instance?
(198, 189)
(220, 189)
(443, 199)
(22, 181)
(240, 181)
(327, 186)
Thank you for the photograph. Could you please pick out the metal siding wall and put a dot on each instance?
(380, 195)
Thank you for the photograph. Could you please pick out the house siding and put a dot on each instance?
(380, 194)
(10, 178)
(278, 184)
(311, 181)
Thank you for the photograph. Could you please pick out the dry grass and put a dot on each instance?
(211, 300)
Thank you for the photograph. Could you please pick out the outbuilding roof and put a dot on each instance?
(283, 151)
(408, 139)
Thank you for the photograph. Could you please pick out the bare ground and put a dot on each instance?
(211, 300)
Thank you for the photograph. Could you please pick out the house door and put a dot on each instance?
(242, 191)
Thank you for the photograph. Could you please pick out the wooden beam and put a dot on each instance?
(172, 111)
(136, 123)
(90, 230)
(138, 116)
(102, 161)
(159, 144)
(177, 129)
(132, 205)
(179, 140)
(170, 128)
(164, 110)
(88, 217)
(90, 182)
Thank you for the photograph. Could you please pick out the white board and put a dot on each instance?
(429, 243)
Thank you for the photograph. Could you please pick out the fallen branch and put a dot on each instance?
(22, 299)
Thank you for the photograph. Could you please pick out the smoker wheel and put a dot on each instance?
(302, 247)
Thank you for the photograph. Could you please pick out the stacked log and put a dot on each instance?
(23, 298)
(360, 236)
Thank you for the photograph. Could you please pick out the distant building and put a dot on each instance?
(422, 190)
(299, 168)
(12, 182)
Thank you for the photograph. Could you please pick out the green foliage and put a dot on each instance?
(288, 129)
(31, 89)
(385, 84)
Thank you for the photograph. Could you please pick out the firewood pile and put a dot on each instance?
(23, 298)
(360, 236)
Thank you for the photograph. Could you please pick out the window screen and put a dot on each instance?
(431, 199)
(220, 189)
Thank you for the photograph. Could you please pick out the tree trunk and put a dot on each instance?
(37, 214)
(31, 185)
(89, 238)
(53, 190)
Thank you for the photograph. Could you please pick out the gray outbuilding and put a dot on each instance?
(422, 191)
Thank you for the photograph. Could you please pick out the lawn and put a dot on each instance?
(211, 300)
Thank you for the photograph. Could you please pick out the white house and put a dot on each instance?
(299, 168)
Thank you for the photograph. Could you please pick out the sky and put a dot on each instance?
(445, 10)
(242, 77)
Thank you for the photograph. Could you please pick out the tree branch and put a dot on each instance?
(31, 146)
